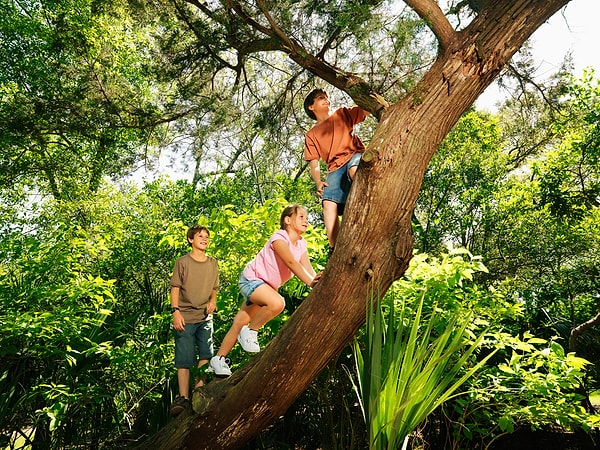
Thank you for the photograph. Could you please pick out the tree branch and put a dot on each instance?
(576, 331)
(431, 13)
(357, 88)
(276, 29)
(246, 18)
(185, 19)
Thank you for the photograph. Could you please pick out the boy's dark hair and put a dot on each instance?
(310, 99)
(193, 230)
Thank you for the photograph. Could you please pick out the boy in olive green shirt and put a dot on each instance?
(194, 285)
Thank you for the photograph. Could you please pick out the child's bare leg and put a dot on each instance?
(200, 380)
(352, 172)
(242, 318)
(183, 379)
(270, 302)
(331, 221)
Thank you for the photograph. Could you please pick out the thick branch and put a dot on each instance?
(360, 91)
(246, 18)
(431, 13)
(357, 88)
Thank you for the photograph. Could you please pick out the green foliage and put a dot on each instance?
(438, 342)
(537, 386)
(535, 223)
(462, 177)
(85, 326)
(569, 176)
(60, 340)
(84, 289)
(73, 113)
(414, 359)
(84, 332)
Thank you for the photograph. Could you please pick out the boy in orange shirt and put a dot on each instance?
(332, 139)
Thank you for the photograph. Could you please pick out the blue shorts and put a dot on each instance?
(194, 335)
(339, 182)
(247, 287)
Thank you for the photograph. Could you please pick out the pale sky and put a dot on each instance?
(573, 28)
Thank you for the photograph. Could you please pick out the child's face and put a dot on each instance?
(299, 221)
(320, 104)
(200, 240)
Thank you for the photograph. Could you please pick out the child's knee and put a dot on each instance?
(279, 305)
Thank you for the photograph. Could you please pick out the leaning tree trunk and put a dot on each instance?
(375, 243)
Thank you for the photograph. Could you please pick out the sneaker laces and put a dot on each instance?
(252, 336)
(223, 359)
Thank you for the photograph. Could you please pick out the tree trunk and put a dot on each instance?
(375, 243)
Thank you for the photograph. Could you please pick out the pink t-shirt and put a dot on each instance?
(269, 267)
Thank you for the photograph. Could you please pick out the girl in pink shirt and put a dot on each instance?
(283, 256)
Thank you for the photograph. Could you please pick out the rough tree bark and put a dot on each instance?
(375, 243)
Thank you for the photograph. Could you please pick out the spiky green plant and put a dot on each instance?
(409, 367)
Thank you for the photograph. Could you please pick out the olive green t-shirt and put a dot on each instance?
(195, 280)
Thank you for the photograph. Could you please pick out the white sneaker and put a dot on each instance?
(248, 339)
(219, 365)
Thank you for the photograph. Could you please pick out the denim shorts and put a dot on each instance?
(247, 287)
(339, 182)
(194, 335)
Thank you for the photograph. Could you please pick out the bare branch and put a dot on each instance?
(576, 331)
(246, 18)
(276, 29)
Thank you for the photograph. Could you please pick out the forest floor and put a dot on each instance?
(544, 440)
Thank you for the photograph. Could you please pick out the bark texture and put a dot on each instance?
(375, 243)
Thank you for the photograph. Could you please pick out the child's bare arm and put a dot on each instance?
(315, 171)
(283, 251)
